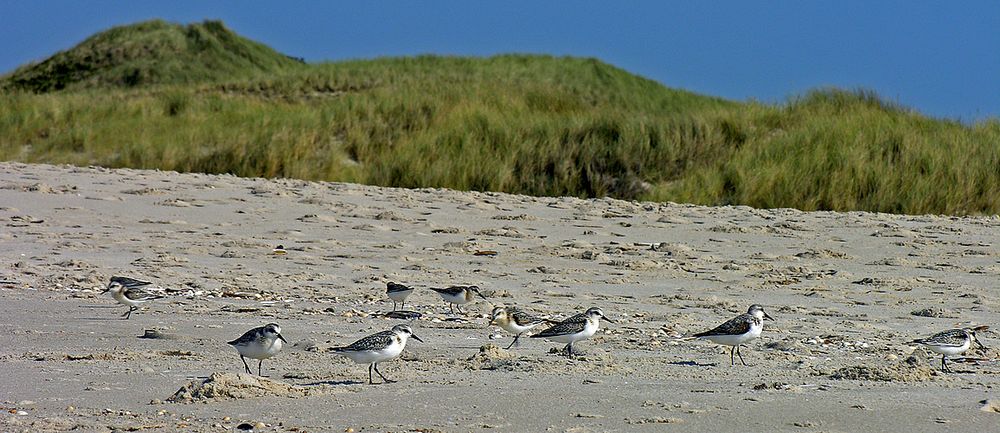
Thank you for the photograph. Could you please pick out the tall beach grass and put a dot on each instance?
(535, 125)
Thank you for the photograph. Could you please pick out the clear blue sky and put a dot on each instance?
(939, 57)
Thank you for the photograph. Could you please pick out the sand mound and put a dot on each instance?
(490, 357)
(220, 386)
(911, 369)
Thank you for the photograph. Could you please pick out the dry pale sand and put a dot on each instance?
(848, 291)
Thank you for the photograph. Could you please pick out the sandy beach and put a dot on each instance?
(848, 291)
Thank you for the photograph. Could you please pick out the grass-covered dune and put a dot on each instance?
(525, 124)
(151, 52)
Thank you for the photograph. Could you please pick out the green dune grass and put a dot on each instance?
(151, 52)
(535, 125)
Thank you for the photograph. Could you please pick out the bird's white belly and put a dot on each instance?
(588, 331)
(949, 350)
(398, 296)
(261, 351)
(456, 299)
(370, 356)
(125, 301)
(514, 328)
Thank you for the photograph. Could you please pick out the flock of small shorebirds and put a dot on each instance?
(266, 341)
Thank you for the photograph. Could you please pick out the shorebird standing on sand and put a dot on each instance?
(579, 327)
(377, 348)
(458, 295)
(738, 331)
(259, 343)
(951, 342)
(515, 321)
(128, 291)
(398, 293)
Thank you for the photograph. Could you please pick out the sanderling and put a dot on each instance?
(398, 293)
(951, 342)
(458, 295)
(377, 348)
(579, 327)
(259, 343)
(128, 291)
(737, 331)
(515, 321)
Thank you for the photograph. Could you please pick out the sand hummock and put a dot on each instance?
(912, 369)
(225, 385)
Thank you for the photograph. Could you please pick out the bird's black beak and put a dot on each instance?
(766, 317)
(416, 338)
(282, 338)
(606, 318)
(481, 295)
(978, 343)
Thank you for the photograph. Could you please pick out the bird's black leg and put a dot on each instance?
(128, 313)
(393, 305)
(259, 364)
(460, 310)
(402, 305)
(944, 365)
(452, 306)
(740, 355)
(370, 381)
(512, 343)
(245, 364)
(380, 375)
(732, 356)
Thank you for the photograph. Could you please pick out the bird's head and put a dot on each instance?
(756, 310)
(596, 313)
(404, 331)
(272, 330)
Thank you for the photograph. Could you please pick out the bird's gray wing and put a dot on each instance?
(371, 342)
(249, 336)
(571, 325)
(949, 338)
(129, 283)
(735, 326)
(137, 294)
(524, 318)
